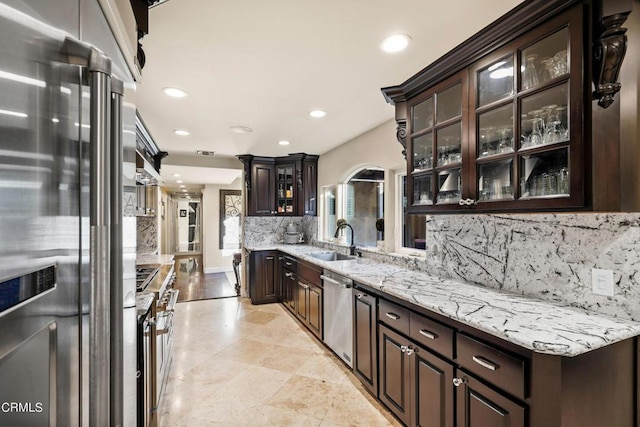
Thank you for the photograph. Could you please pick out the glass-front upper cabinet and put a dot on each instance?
(503, 134)
(435, 150)
(524, 143)
(285, 187)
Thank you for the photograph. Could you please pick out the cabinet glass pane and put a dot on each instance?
(422, 115)
(422, 192)
(285, 190)
(494, 180)
(544, 117)
(545, 174)
(495, 131)
(449, 103)
(496, 81)
(449, 186)
(449, 142)
(423, 152)
(285, 206)
(545, 60)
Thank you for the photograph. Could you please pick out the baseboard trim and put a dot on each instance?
(217, 270)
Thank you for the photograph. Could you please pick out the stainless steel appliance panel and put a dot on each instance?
(338, 315)
(40, 189)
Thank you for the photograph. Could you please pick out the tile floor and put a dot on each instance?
(236, 364)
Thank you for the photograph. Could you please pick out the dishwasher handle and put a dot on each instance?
(336, 282)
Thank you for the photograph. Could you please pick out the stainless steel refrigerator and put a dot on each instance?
(67, 218)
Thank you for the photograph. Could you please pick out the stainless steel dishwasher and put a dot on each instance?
(338, 315)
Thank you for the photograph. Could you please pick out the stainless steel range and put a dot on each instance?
(158, 281)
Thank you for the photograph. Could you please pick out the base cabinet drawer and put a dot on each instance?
(394, 315)
(433, 335)
(490, 363)
(481, 406)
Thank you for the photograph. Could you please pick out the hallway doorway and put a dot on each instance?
(195, 285)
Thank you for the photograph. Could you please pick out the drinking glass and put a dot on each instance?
(530, 77)
(560, 63)
(537, 128)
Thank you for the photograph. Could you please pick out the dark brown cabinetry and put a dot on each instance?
(504, 121)
(416, 385)
(365, 339)
(309, 297)
(281, 185)
(264, 277)
(289, 283)
(481, 406)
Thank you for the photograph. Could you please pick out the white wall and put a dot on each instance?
(213, 258)
(377, 147)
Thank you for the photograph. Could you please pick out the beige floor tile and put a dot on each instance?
(308, 396)
(358, 410)
(236, 364)
(271, 416)
(323, 367)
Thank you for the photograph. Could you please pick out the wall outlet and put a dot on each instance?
(602, 282)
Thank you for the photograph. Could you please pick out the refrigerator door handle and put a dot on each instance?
(99, 67)
(116, 289)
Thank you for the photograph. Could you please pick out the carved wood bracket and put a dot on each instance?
(610, 46)
(401, 135)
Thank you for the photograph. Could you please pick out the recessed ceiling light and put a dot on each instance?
(54, 120)
(284, 142)
(176, 174)
(184, 190)
(317, 113)
(174, 92)
(179, 181)
(240, 129)
(395, 43)
(181, 132)
(182, 186)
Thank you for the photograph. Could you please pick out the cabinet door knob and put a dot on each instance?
(359, 296)
(459, 381)
(403, 348)
(410, 351)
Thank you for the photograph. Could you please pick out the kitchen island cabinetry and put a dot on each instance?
(264, 277)
(283, 186)
(509, 121)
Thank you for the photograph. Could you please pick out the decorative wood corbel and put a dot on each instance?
(401, 135)
(610, 46)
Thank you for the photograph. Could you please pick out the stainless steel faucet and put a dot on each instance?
(352, 247)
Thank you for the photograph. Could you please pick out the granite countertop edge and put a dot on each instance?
(541, 326)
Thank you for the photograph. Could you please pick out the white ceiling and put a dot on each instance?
(266, 64)
(191, 175)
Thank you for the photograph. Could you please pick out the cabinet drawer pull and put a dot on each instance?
(303, 285)
(392, 316)
(269, 258)
(288, 264)
(288, 274)
(428, 334)
(485, 363)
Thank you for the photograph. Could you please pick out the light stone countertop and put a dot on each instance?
(153, 259)
(541, 326)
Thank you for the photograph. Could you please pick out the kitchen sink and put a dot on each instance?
(331, 256)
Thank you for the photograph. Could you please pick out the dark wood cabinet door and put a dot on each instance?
(263, 277)
(365, 339)
(310, 187)
(263, 196)
(395, 373)
(315, 310)
(481, 406)
(291, 285)
(432, 390)
(302, 295)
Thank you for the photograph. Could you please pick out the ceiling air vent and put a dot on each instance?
(205, 153)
